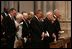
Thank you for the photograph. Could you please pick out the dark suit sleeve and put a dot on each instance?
(35, 26)
(58, 23)
(25, 30)
(9, 25)
(57, 26)
(4, 22)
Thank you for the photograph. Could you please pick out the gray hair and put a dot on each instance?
(56, 10)
(32, 13)
(49, 12)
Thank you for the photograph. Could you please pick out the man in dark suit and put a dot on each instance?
(48, 27)
(56, 22)
(37, 30)
(52, 26)
(10, 28)
(26, 30)
(25, 26)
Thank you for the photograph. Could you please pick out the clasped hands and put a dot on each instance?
(44, 35)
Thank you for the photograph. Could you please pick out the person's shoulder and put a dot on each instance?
(32, 18)
(46, 19)
(7, 18)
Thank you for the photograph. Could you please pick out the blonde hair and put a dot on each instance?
(19, 15)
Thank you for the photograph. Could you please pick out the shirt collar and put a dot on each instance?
(10, 16)
(36, 17)
(55, 16)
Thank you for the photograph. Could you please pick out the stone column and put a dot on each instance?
(44, 7)
(11, 4)
(65, 10)
(26, 6)
(38, 3)
(2, 5)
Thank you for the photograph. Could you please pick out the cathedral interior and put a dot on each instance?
(65, 19)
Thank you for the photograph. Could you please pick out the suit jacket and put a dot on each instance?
(56, 27)
(25, 29)
(51, 27)
(10, 28)
(36, 28)
(48, 26)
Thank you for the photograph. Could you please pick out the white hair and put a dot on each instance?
(56, 10)
(19, 15)
(32, 13)
(48, 13)
(25, 14)
(57, 13)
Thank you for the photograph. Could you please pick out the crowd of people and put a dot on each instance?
(29, 30)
